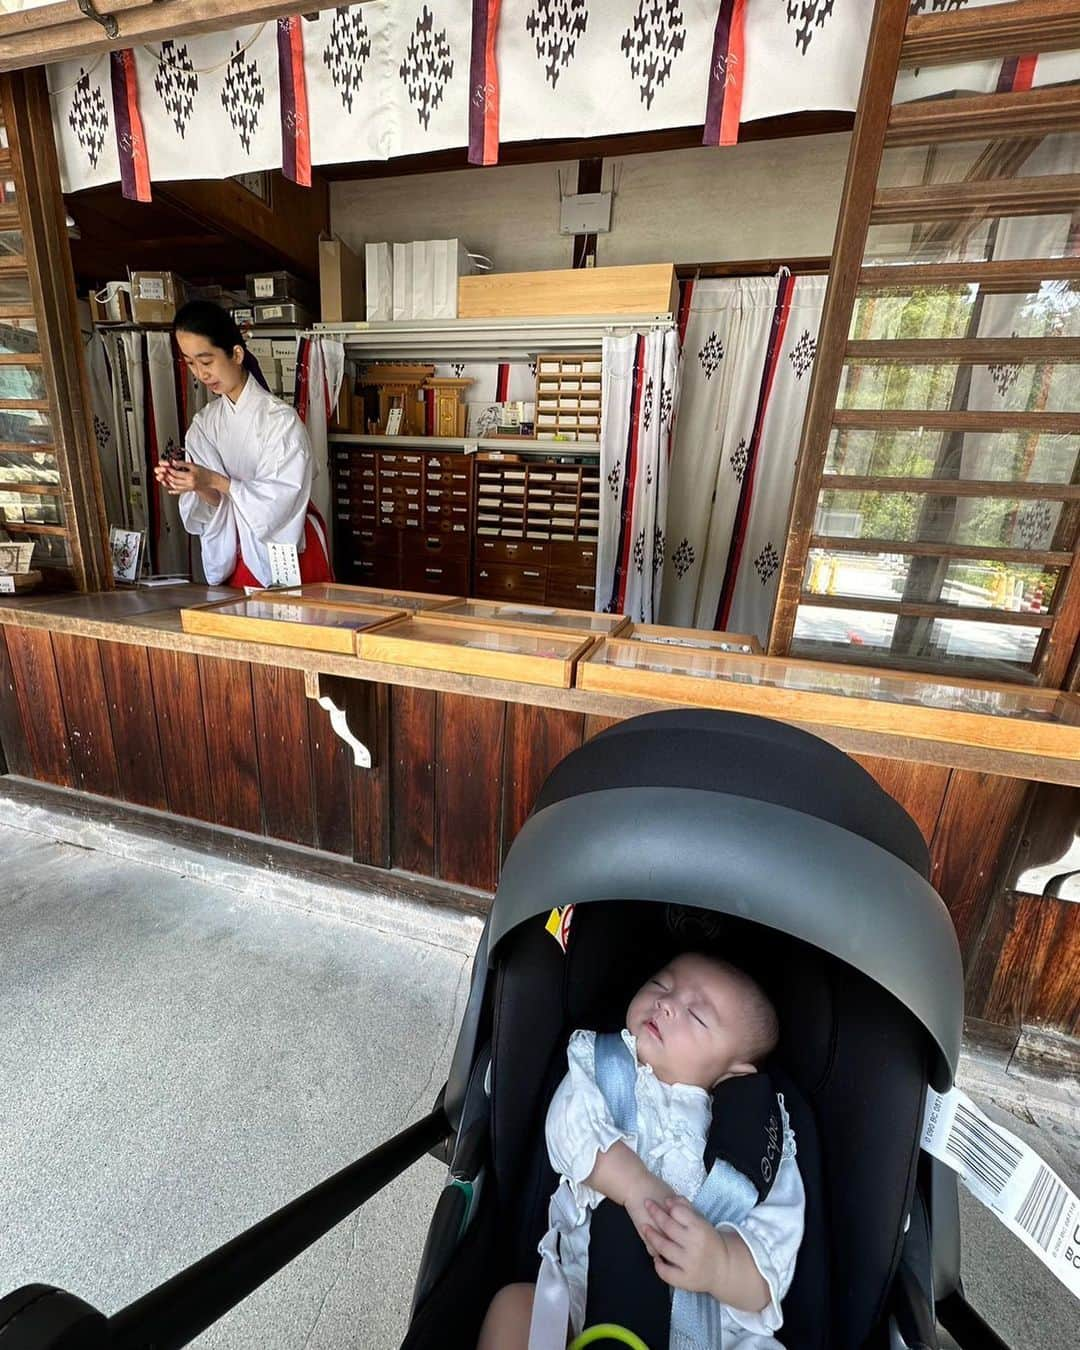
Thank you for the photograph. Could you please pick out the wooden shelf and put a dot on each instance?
(1033, 112)
(1003, 274)
(511, 444)
(1047, 194)
(915, 419)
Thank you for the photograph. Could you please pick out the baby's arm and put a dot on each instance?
(691, 1254)
(621, 1176)
(588, 1148)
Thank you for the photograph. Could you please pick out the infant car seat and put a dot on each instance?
(751, 840)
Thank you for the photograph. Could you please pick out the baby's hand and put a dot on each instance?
(687, 1251)
(650, 1191)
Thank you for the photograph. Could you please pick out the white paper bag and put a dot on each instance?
(379, 278)
(403, 293)
(450, 260)
(423, 291)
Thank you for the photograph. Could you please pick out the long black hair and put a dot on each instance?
(210, 321)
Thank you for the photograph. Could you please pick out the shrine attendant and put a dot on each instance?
(246, 479)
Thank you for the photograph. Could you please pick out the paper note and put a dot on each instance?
(284, 565)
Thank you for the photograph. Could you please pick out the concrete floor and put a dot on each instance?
(188, 1044)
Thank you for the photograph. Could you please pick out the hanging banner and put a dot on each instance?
(804, 56)
(295, 127)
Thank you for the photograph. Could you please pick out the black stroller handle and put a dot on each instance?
(37, 1318)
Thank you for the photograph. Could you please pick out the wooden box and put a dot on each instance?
(492, 612)
(961, 712)
(740, 644)
(649, 288)
(530, 656)
(334, 593)
(286, 621)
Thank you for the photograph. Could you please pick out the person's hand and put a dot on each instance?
(649, 1190)
(183, 476)
(687, 1251)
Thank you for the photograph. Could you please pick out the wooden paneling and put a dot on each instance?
(412, 779)
(229, 717)
(468, 792)
(331, 783)
(977, 831)
(536, 739)
(1027, 970)
(281, 722)
(12, 736)
(130, 697)
(86, 711)
(919, 788)
(595, 724)
(181, 733)
(372, 811)
(38, 692)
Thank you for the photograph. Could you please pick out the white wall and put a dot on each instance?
(764, 199)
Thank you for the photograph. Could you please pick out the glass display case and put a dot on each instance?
(431, 643)
(287, 621)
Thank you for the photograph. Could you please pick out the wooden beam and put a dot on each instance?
(986, 117)
(920, 610)
(1041, 195)
(968, 351)
(873, 419)
(1014, 29)
(1022, 274)
(921, 549)
(856, 204)
(951, 487)
(148, 22)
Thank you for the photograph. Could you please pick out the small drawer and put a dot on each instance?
(496, 580)
(445, 577)
(442, 542)
(570, 591)
(511, 551)
(362, 536)
(581, 556)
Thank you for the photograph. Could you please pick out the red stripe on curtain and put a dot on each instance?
(746, 495)
(686, 295)
(1025, 73)
(723, 106)
(624, 553)
(295, 127)
(502, 382)
(484, 84)
(303, 378)
(130, 140)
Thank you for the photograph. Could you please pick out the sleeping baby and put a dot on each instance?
(679, 1196)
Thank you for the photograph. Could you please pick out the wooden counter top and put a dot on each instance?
(990, 744)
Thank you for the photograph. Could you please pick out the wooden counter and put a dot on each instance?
(107, 695)
(997, 745)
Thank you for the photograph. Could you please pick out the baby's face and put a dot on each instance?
(688, 1024)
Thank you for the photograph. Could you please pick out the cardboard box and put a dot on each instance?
(112, 304)
(284, 313)
(650, 288)
(282, 287)
(262, 349)
(156, 296)
(284, 349)
(341, 283)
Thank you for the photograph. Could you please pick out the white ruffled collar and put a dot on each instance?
(671, 1092)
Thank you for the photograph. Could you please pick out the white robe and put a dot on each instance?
(262, 447)
(672, 1126)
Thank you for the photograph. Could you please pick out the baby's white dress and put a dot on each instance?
(672, 1126)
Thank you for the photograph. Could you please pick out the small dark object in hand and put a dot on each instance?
(173, 455)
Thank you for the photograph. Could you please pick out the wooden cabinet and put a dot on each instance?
(502, 527)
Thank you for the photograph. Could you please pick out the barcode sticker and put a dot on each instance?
(1009, 1178)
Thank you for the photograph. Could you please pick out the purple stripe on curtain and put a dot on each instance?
(718, 74)
(287, 87)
